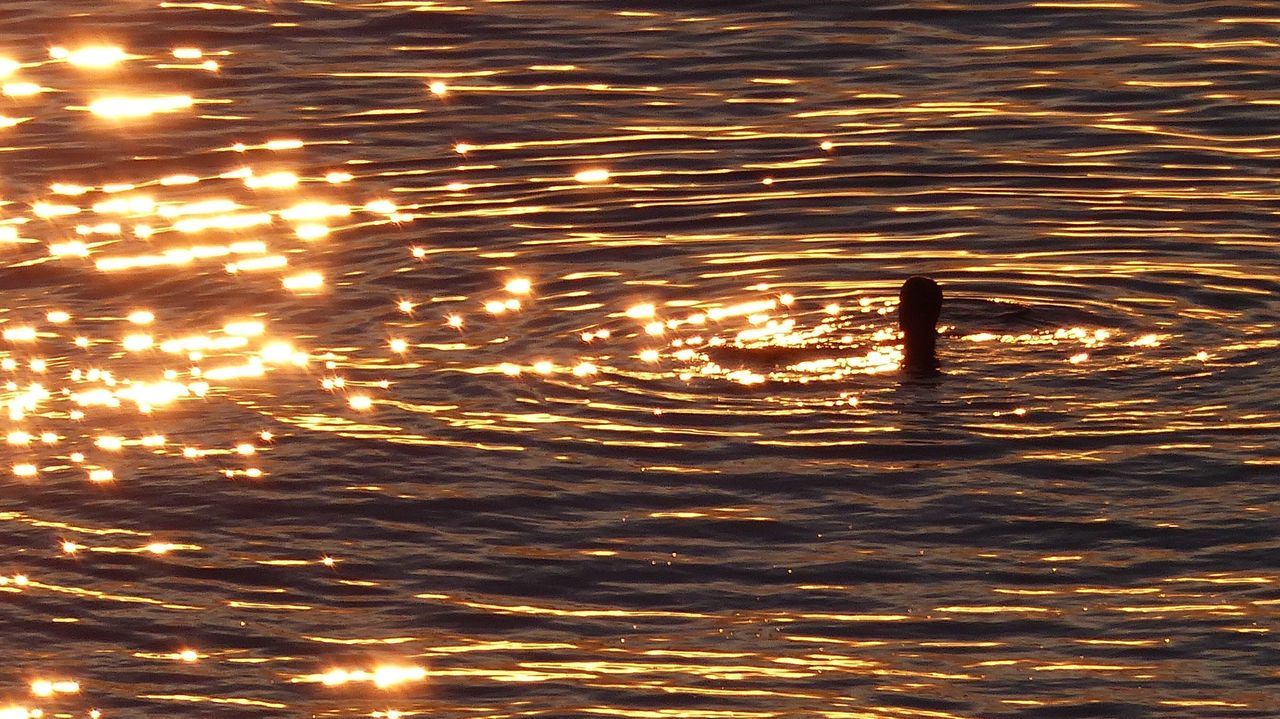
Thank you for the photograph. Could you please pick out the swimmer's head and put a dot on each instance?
(919, 304)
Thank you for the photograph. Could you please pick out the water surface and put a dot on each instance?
(538, 358)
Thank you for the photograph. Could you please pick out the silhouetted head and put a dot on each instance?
(919, 304)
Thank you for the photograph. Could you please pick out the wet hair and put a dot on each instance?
(919, 305)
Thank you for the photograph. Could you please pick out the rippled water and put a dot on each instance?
(537, 358)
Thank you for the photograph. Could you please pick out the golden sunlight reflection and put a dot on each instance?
(384, 676)
(95, 57)
(135, 107)
(287, 324)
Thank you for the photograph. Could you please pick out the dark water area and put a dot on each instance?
(496, 359)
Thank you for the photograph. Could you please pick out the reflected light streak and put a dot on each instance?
(382, 677)
(303, 282)
(98, 57)
(21, 89)
(592, 177)
(136, 107)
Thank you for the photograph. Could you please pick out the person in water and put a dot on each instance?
(919, 304)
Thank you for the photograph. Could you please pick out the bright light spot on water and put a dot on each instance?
(454, 321)
(519, 286)
(463, 148)
(543, 367)
(314, 211)
(70, 547)
(584, 369)
(47, 688)
(97, 57)
(337, 178)
(591, 177)
(70, 190)
(495, 307)
(74, 248)
(1079, 358)
(270, 262)
(827, 145)
(25, 470)
(248, 328)
(649, 355)
(311, 232)
(640, 312)
(419, 252)
(188, 655)
(99, 475)
(399, 346)
(21, 89)
(137, 343)
(46, 210)
(133, 107)
(360, 402)
(133, 205)
(438, 88)
(405, 306)
(274, 181)
(105, 228)
(19, 334)
(382, 677)
(110, 443)
(187, 53)
(8, 67)
(303, 282)
(1147, 341)
(141, 317)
